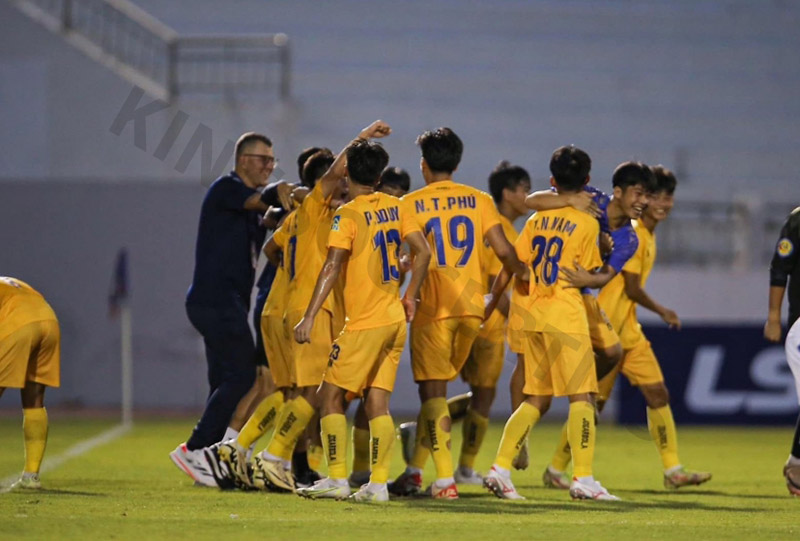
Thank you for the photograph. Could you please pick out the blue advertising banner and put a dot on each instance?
(717, 375)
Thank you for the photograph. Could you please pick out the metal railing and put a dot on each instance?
(145, 51)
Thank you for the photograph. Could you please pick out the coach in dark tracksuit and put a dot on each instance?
(229, 239)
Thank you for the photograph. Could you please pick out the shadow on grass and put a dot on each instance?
(690, 492)
(51, 492)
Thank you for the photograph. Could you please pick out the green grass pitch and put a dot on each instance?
(129, 489)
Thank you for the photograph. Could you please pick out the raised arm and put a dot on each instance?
(634, 290)
(325, 282)
(550, 200)
(419, 270)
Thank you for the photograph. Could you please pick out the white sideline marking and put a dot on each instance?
(76, 450)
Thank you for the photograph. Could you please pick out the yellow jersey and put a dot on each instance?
(372, 227)
(303, 237)
(549, 240)
(494, 328)
(20, 305)
(619, 308)
(454, 219)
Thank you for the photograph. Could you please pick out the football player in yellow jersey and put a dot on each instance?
(454, 218)
(639, 364)
(558, 351)
(303, 253)
(30, 343)
(508, 185)
(364, 241)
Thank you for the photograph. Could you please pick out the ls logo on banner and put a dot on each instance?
(719, 375)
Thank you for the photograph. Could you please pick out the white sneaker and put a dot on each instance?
(467, 476)
(589, 490)
(371, 493)
(193, 464)
(501, 486)
(338, 489)
(27, 481)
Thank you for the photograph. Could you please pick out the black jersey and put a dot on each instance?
(786, 263)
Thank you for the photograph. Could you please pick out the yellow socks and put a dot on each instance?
(262, 419)
(563, 455)
(436, 425)
(334, 439)
(34, 429)
(315, 455)
(361, 449)
(580, 435)
(422, 448)
(474, 429)
(665, 436)
(293, 419)
(381, 430)
(515, 433)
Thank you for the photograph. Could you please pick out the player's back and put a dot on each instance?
(371, 227)
(552, 239)
(454, 219)
(20, 304)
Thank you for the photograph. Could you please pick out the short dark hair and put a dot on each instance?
(303, 158)
(631, 173)
(441, 149)
(246, 141)
(365, 161)
(396, 178)
(665, 180)
(570, 166)
(506, 176)
(316, 166)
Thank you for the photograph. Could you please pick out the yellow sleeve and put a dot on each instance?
(591, 250)
(342, 233)
(281, 235)
(523, 245)
(635, 264)
(489, 215)
(408, 222)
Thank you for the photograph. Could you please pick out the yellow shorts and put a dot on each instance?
(366, 358)
(310, 360)
(31, 353)
(484, 363)
(279, 350)
(440, 348)
(640, 366)
(516, 340)
(559, 364)
(601, 332)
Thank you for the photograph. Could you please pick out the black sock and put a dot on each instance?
(796, 441)
(300, 462)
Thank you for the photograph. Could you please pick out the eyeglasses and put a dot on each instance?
(264, 159)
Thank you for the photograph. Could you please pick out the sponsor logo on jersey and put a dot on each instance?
(785, 247)
(335, 224)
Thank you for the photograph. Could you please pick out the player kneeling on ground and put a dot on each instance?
(365, 236)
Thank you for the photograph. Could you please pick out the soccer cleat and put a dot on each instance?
(223, 475)
(270, 475)
(338, 489)
(408, 440)
(520, 461)
(371, 493)
(235, 457)
(467, 476)
(589, 490)
(358, 479)
(552, 478)
(406, 484)
(458, 406)
(791, 472)
(683, 478)
(193, 464)
(27, 481)
(501, 486)
(449, 492)
(306, 478)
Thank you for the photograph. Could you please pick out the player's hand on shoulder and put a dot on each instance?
(584, 201)
(302, 331)
(772, 330)
(671, 319)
